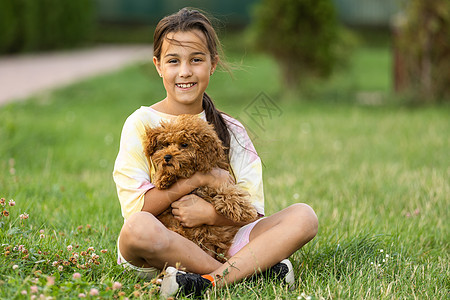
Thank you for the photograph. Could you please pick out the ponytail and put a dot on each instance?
(214, 117)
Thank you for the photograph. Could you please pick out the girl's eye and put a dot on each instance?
(172, 61)
(197, 60)
(184, 145)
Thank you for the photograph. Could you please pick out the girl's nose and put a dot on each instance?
(185, 70)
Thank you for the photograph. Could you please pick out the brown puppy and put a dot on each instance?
(177, 150)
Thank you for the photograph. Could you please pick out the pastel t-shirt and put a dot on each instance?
(132, 171)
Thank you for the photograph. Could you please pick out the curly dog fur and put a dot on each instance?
(182, 147)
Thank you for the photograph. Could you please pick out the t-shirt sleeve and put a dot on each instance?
(131, 169)
(246, 164)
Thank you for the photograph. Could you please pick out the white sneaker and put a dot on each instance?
(282, 271)
(188, 284)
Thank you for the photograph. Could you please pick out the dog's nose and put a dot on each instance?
(167, 157)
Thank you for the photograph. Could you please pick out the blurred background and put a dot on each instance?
(346, 101)
(320, 34)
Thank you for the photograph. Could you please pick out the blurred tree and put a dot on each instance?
(422, 45)
(300, 34)
(31, 25)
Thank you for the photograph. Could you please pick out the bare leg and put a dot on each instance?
(271, 240)
(146, 242)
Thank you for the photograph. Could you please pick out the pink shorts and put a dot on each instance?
(242, 238)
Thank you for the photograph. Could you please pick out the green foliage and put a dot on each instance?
(423, 44)
(376, 175)
(300, 34)
(106, 33)
(30, 25)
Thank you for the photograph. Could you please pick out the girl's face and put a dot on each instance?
(185, 66)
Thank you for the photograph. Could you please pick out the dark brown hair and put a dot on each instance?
(188, 19)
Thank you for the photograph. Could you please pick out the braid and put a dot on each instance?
(214, 117)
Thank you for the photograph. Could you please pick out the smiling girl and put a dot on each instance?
(186, 54)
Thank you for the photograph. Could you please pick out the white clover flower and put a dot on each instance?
(93, 292)
(15, 267)
(381, 250)
(24, 216)
(69, 248)
(117, 285)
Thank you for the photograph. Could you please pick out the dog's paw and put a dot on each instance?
(248, 213)
(165, 181)
(235, 206)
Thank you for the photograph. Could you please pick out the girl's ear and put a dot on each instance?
(157, 64)
(214, 63)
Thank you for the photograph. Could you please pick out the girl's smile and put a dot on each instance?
(185, 86)
(185, 66)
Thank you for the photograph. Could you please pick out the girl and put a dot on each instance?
(186, 54)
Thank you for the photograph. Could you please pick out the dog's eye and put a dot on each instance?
(184, 145)
(162, 145)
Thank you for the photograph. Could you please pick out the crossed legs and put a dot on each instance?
(145, 242)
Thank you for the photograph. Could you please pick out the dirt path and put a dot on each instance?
(24, 75)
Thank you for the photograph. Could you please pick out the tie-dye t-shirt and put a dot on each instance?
(132, 171)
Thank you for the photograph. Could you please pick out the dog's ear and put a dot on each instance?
(212, 153)
(150, 140)
(209, 149)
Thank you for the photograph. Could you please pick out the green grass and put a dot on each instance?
(375, 172)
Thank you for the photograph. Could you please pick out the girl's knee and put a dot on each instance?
(304, 217)
(143, 231)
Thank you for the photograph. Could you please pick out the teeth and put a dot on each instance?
(185, 85)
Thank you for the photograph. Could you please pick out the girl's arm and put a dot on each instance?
(156, 201)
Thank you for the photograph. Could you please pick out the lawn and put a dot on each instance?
(376, 173)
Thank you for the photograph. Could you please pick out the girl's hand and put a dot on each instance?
(216, 177)
(193, 211)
